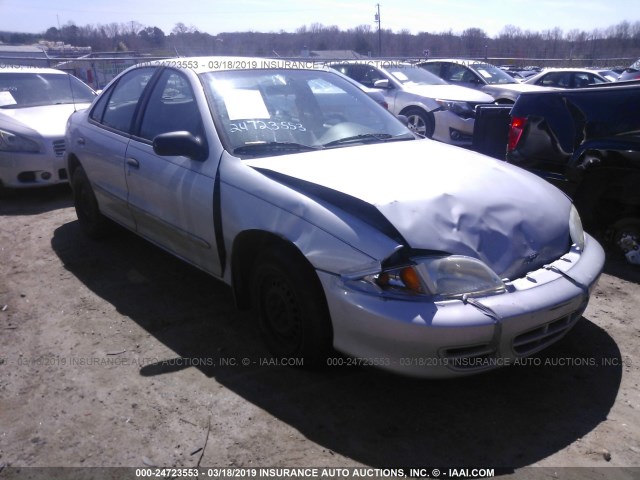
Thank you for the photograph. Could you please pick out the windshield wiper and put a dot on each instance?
(279, 147)
(367, 137)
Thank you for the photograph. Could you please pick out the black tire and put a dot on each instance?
(420, 122)
(93, 223)
(6, 192)
(292, 312)
(626, 234)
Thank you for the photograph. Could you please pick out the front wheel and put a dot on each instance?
(292, 311)
(420, 122)
(93, 223)
(626, 236)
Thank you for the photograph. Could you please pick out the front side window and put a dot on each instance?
(582, 79)
(460, 74)
(123, 99)
(267, 112)
(172, 107)
(22, 90)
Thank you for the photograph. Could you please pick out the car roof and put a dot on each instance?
(373, 62)
(569, 69)
(462, 61)
(29, 69)
(217, 64)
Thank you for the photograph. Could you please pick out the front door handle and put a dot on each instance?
(133, 163)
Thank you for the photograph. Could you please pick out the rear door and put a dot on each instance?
(102, 142)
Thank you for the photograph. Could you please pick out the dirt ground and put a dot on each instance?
(116, 354)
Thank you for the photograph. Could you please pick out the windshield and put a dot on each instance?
(271, 112)
(20, 90)
(492, 74)
(413, 74)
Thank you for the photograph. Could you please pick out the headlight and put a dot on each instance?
(446, 276)
(575, 228)
(459, 108)
(10, 142)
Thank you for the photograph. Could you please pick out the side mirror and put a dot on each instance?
(404, 119)
(180, 143)
(383, 83)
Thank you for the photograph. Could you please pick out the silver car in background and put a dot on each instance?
(328, 217)
(479, 75)
(35, 104)
(434, 108)
(569, 78)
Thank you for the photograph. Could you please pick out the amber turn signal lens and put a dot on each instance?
(410, 278)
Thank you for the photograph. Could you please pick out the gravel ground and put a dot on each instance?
(117, 354)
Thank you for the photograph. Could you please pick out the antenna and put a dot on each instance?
(73, 97)
(377, 20)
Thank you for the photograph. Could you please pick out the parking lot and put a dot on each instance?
(117, 354)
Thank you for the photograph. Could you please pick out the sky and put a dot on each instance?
(216, 16)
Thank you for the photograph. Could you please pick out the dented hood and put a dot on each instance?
(443, 198)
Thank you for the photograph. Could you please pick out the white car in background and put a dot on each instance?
(35, 104)
(434, 108)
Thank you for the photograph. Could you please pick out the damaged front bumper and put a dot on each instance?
(455, 337)
(453, 129)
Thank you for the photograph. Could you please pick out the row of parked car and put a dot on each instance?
(341, 226)
(439, 98)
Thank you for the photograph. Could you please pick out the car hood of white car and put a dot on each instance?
(448, 92)
(46, 120)
(441, 198)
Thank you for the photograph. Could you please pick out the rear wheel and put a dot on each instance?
(93, 223)
(420, 122)
(292, 311)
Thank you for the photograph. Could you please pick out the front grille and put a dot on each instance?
(534, 340)
(59, 147)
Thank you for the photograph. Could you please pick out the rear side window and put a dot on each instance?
(116, 107)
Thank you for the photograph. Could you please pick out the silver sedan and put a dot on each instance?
(330, 219)
(434, 108)
(480, 75)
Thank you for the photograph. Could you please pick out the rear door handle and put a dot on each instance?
(80, 141)
(133, 163)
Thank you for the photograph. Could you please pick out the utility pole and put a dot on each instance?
(377, 19)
